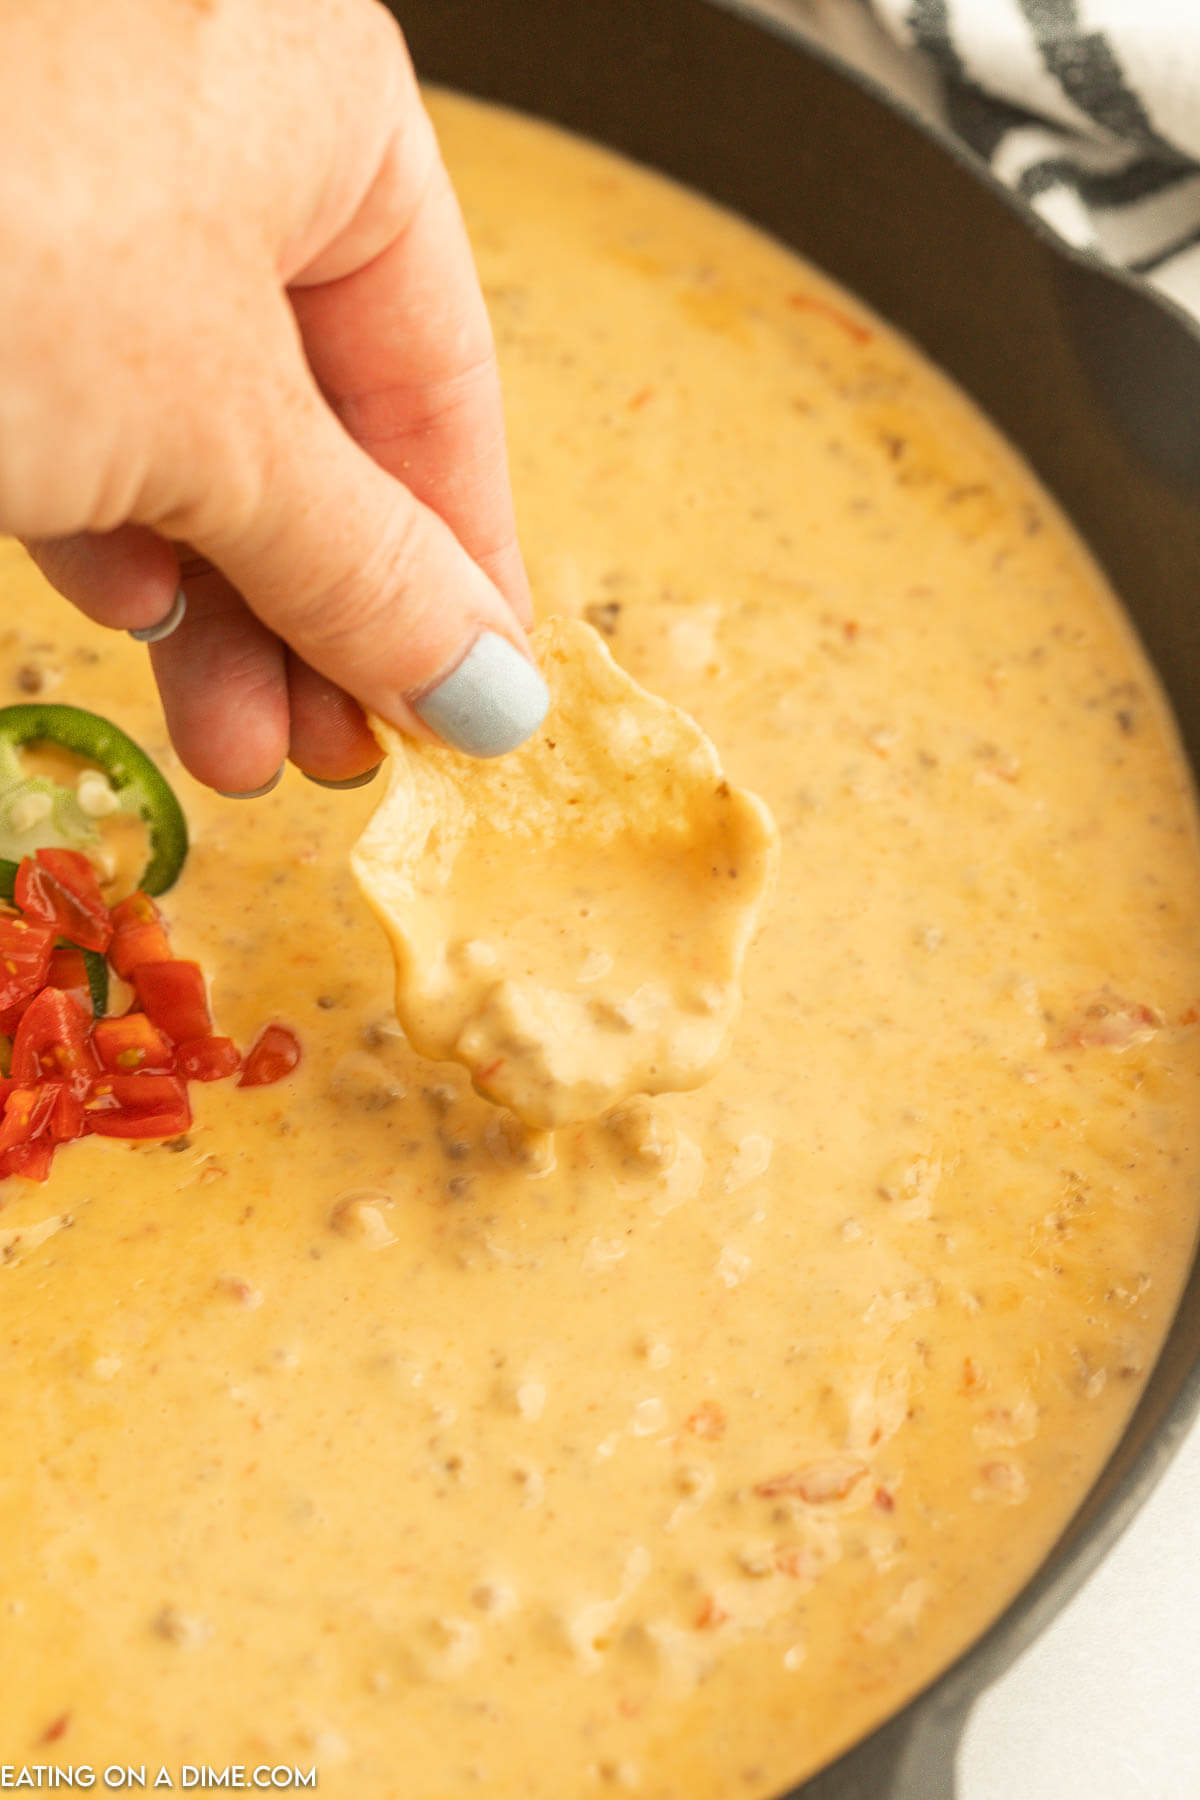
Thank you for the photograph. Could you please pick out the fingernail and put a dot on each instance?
(492, 702)
(154, 634)
(350, 781)
(254, 793)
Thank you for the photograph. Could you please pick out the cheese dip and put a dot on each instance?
(666, 1453)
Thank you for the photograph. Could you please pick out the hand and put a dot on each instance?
(240, 328)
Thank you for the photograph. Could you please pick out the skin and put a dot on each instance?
(242, 344)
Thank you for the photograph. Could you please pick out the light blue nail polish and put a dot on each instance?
(154, 634)
(492, 702)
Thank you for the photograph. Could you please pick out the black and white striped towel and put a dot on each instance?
(1090, 109)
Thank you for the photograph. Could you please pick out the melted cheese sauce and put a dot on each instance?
(668, 1455)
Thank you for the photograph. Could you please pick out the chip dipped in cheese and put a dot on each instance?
(570, 921)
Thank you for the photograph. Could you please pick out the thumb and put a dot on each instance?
(367, 585)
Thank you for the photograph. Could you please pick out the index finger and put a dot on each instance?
(402, 349)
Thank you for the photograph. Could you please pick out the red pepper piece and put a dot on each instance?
(130, 1043)
(68, 1120)
(68, 971)
(138, 935)
(139, 1106)
(51, 1043)
(135, 909)
(59, 888)
(208, 1058)
(32, 1160)
(24, 959)
(35, 1120)
(274, 1054)
(137, 944)
(174, 997)
(27, 1113)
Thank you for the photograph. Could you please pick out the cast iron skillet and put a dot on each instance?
(1095, 381)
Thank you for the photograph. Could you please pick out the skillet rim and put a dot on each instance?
(968, 160)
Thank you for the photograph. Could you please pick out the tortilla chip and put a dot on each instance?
(570, 921)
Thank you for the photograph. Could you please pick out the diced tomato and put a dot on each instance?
(208, 1058)
(24, 959)
(131, 1043)
(135, 909)
(32, 1160)
(173, 995)
(1106, 1020)
(59, 888)
(816, 1483)
(137, 944)
(27, 1113)
(68, 1120)
(139, 1106)
(711, 1614)
(274, 1053)
(68, 971)
(35, 1120)
(51, 1043)
(138, 935)
(126, 1077)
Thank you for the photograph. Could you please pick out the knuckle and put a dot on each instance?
(368, 604)
(465, 401)
(369, 44)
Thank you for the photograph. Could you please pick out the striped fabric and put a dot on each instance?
(1090, 109)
